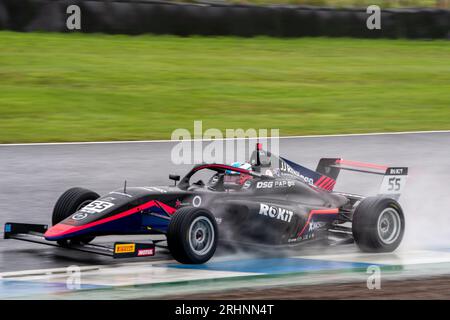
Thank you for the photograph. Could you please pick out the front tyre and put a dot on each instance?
(192, 235)
(378, 224)
(70, 202)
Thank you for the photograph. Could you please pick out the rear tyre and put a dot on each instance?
(70, 202)
(192, 235)
(378, 224)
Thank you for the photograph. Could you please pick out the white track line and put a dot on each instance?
(63, 270)
(190, 140)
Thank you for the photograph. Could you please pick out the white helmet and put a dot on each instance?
(240, 165)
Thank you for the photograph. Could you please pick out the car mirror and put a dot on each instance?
(174, 177)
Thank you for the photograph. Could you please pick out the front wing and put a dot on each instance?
(35, 233)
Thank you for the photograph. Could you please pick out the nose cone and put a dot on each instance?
(59, 231)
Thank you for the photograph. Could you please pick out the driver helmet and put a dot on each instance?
(237, 177)
(245, 165)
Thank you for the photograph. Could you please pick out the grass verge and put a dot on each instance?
(80, 87)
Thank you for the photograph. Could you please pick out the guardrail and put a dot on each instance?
(158, 17)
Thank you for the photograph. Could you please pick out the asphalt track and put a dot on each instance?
(33, 176)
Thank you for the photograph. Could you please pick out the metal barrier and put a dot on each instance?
(158, 17)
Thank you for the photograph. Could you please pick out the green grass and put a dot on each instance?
(78, 87)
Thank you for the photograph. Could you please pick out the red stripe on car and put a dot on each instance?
(317, 212)
(360, 164)
(62, 229)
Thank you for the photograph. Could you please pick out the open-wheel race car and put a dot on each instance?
(269, 201)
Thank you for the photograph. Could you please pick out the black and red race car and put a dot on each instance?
(270, 202)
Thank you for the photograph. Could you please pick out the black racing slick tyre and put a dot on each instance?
(192, 235)
(378, 224)
(68, 203)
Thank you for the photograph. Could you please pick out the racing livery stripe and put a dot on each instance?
(323, 183)
(332, 186)
(328, 184)
(62, 229)
(320, 180)
(165, 207)
(333, 211)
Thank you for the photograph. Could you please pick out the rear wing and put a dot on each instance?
(394, 178)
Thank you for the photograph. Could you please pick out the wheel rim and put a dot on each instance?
(201, 236)
(389, 225)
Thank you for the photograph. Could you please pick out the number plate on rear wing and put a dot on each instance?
(394, 181)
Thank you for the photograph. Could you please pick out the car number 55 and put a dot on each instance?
(97, 206)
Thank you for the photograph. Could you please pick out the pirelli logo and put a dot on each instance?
(125, 248)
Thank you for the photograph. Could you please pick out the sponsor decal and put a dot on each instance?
(275, 184)
(312, 227)
(269, 173)
(125, 248)
(275, 212)
(307, 236)
(264, 184)
(315, 225)
(284, 167)
(197, 201)
(247, 184)
(92, 208)
(145, 252)
(397, 171)
(80, 216)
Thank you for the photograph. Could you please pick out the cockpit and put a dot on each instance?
(218, 177)
(237, 176)
(225, 179)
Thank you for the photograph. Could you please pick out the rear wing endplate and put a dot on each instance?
(394, 182)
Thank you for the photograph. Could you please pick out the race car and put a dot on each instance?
(269, 201)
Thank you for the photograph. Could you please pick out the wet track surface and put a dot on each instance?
(33, 177)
